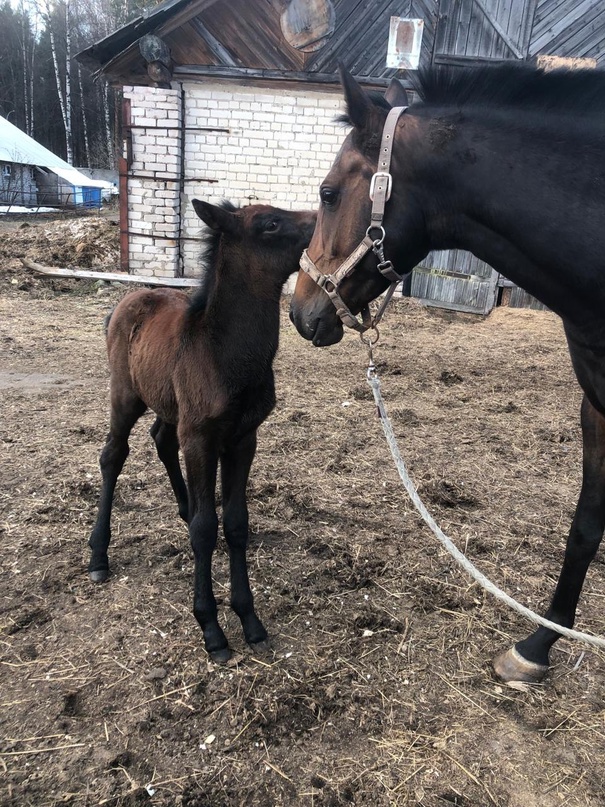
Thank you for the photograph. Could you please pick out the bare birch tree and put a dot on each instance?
(84, 119)
(64, 94)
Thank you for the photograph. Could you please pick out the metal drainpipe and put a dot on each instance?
(180, 270)
(123, 164)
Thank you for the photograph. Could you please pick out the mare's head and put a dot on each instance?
(344, 217)
(444, 152)
(260, 242)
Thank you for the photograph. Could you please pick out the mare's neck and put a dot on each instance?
(523, 198)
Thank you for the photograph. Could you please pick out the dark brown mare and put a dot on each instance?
(203, 364)
(508, 163)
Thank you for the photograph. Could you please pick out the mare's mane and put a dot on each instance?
(509, 85)
(514, 85)
(209, 260)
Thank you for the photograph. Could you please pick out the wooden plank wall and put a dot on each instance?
(569, 28)
(488, 29)
(438, 281)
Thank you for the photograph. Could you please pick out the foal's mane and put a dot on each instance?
(514, 85)
(209, 261)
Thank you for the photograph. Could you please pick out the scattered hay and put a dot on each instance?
(378, 690)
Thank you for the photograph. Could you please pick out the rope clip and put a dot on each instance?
(370, 341)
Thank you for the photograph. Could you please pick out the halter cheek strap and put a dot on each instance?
(380, 192)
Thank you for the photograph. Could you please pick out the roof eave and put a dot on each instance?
(105, 50)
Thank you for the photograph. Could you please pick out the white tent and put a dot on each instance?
(18, 147)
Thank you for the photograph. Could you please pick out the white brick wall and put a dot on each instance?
(154, 191)
(275, 148)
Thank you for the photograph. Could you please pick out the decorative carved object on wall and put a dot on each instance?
(159, 61)
(308, 24)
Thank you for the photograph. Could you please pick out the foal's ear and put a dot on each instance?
(396, 94)
(217, 218)
(359, 105)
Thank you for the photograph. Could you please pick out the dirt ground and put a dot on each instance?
(378, 690)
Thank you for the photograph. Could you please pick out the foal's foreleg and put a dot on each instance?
(167, 445)
(123, 417)
(235, 469)
(201, 462)
(528, 660)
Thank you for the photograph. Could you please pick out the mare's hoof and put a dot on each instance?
(220, 656)
(99, 576)
(512, 668)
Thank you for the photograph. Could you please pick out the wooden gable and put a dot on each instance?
(246, 38)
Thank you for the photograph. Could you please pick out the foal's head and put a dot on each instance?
(260, 244)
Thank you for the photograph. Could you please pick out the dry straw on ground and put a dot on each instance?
(378, 690)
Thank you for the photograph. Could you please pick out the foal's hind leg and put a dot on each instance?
(235, 469)
(124, 414)
(167, 444)
(528, 660)
(201, 461)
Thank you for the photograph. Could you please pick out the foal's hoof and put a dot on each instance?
(512, 668)
(221, 656)
(262, 648)
(99, 575)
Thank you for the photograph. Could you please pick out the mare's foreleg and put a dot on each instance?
(167, 445)
(235, 469)
(201, 462)
(528, 660)
(124, 414)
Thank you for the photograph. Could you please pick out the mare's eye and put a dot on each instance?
(271, 226)
(328, 196)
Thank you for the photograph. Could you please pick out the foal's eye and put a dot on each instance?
(328, 196)
(271, 226)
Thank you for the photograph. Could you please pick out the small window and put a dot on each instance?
(6, 170)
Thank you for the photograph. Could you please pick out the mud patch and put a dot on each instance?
(35, 382)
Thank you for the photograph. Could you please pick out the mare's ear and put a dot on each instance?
(396, 94)
(217, 218)
(359, 105)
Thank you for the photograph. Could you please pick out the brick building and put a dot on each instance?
(227, 100)
(246, 145)
(237, 100)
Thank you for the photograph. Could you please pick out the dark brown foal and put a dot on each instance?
(204, 366)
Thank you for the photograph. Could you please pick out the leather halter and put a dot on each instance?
(380, 192)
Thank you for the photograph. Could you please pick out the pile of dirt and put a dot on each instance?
(90, 242)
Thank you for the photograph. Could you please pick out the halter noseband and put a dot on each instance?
(380, 192)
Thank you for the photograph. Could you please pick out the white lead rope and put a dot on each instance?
(447, 543)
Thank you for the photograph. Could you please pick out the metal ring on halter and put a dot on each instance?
(377, 241)
(366, 337)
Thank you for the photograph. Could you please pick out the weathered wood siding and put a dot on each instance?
(438, 281)
(565, 28)
(485, 29)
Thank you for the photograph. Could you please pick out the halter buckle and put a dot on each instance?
(327, 282)
(381, 176)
